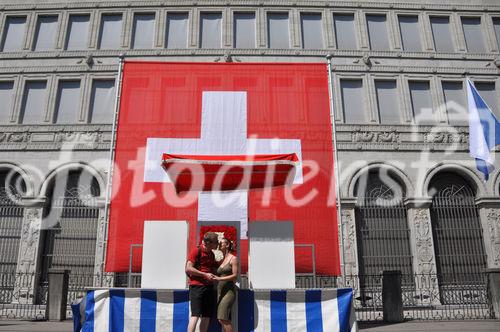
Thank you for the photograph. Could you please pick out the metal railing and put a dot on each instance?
(22, 296)
(422, 299)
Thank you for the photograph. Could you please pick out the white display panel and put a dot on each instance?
(164, 254)
(271, 261)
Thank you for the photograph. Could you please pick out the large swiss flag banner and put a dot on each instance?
(224, 109)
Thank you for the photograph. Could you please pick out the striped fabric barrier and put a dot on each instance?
(127, 310)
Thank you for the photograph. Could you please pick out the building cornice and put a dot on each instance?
(414, 5)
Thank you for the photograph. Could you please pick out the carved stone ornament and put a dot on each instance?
(349, 227)
(493, 220)
(446, 137)
(78, 137)
(360, 136)
(30, 235)
(423, 240)
(17, 137)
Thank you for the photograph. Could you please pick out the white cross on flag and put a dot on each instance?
(229, 110)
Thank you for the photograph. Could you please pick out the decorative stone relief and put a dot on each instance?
(375, 137)
(423, 241)
(83, 137)
(101, 279)
(493, 220)
(16, 137)
(446, 137)
(24, 288)
(350, 249)
(30, 236)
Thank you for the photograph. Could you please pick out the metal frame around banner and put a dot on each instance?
(336, 164)
(121, 58)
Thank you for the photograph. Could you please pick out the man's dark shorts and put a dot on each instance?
(203, 300)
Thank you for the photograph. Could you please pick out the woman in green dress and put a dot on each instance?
(226, 289)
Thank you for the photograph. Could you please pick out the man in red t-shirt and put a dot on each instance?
(200, 267)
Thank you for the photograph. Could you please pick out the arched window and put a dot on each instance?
(458, 236)
(12, 188)
(382, 226)
(70, 228)
(383, 236)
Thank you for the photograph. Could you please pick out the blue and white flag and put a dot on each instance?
(301, 310)
(484, 131)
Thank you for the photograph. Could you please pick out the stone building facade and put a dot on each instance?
(399, 71)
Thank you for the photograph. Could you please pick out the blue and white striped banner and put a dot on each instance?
(139, 310)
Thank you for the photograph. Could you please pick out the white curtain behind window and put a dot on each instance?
(68, 102)
(312, 31)
(78, 32)
(110, 33)
(34, 100)
(143, 31)
(244, 30)
(102, 101)
(45, 36)
(14, 34)
(210, 30)
(278, 30)
(6, 94)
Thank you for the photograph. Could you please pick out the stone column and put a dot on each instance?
(26, 283)
(489, 214)
(422, 248)
(101, 279)
(348, 246)
(494, 290)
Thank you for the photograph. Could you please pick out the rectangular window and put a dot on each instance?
(77, 37)
(13, 37)
(110, 32)
(345, 31)
(143, 32)
(6, 96)
(102, 101)
(473, 33)
(455, 103)
(33, 105)
(421, 102)
(177, 30)
(278, 30)
(388, 102)
(496, 25)
(46, 31)
(377, 32)
(244, 30)
(442, 35)
(410, 34)
(489, 94)
(210, 30)
(68, 102)
(352, 101)
(312, 30)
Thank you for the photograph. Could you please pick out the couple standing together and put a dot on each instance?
(204, 272)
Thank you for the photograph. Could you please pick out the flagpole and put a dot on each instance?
(336, 164)
(111, 163)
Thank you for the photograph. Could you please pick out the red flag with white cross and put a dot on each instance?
(226, 121)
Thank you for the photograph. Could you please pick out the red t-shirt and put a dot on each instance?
(206, 264)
